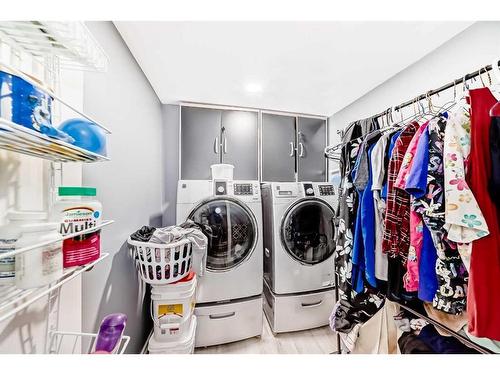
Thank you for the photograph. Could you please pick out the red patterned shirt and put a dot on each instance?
(396, 240)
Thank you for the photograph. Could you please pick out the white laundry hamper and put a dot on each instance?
(161, 264)
(185, 344)
(172, 307)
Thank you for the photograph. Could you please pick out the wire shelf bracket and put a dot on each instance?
(13, 300)
(58, 339)
(13, 253)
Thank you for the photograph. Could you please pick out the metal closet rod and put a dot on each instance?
(430, 93)
(464, 340)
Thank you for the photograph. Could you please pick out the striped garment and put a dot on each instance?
(396, 240)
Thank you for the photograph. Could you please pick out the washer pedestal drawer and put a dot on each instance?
(288, 313)
(228, 322)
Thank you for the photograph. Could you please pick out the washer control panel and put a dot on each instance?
(326, 190)
(243, 189)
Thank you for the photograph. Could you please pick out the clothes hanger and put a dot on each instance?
(382, 122)
(495, 89)
(446, 107)
(424, 113)
(392, 123)
(481, 77)
(414, 117)
(399, 124)
(462, 101)
(430, 107)
(432, 111)
(405, 121)
(400, 111)
(489, 76)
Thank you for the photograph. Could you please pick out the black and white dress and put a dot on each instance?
(355, 307)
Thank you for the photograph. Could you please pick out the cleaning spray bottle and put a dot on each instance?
(110, 334)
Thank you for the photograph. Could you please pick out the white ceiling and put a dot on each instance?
(304, 67)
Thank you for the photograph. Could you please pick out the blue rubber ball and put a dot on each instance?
(86, 134)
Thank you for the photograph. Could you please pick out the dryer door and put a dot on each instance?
(234, 231)
(308, 230)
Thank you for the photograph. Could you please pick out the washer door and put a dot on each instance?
(307, 231)
(234, 231)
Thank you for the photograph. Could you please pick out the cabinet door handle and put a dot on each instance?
(222, 316)
(225, 145)
(314, 304)
(216, 145)
(301, 146)
(291, 149)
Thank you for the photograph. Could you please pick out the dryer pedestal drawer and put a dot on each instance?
(220, 324)
(290, 313)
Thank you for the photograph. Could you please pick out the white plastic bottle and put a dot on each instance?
(9, 234)
(44, 264)
(77, 209)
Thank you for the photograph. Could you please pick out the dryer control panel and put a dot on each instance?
(325, 190)
(243, 189)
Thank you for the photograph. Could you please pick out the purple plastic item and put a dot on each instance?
(110, 333)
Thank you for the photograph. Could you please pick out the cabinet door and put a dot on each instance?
(200, 142)
(311, 143)
(240, 143)
(278, 147)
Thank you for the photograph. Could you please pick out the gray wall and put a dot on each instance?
(129, 186)
(473, 48)
(170, 156)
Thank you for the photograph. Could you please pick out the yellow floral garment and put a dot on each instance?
(463, 218)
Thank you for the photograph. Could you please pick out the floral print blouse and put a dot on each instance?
(463, 218)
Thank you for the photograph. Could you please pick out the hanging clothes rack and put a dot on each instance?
(453, 84)
(388, 112)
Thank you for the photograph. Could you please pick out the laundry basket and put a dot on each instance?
(161, 264)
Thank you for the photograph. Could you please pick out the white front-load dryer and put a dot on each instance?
(299, 269)
(229, 294)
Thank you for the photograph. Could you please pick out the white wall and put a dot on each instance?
(129, 186)
(475, 47)
(170, 150)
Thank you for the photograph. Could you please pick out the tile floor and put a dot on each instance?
(314, 341)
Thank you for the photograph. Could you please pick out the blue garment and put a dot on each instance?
(416, 182)
(427, 278)
(358, 253)
(363, 253)
(367, 205)
(394, 138)
(357, 248)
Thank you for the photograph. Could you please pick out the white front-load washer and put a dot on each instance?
(299, 269)
(229, 295)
